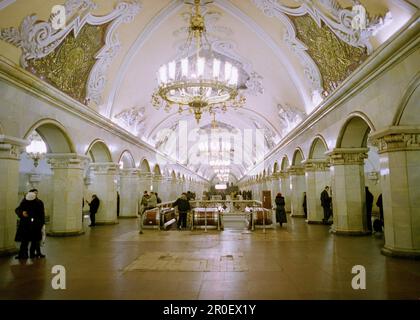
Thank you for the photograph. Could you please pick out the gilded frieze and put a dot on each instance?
(69, 65)
(334, 58)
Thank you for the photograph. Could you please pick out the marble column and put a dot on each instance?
(348, 191)
(399, 151)
(66, 216)
(10, 149)
(145, 182)
(173, 192)
(275, 185)
(285, 189)
(317, 174)
(298, 187)
(105, 187)
(129, 193)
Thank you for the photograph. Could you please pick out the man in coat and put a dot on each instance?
(183, 207)
(93, 209)
(326, 204)
(280, 211)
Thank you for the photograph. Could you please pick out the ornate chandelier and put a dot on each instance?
(200, 81)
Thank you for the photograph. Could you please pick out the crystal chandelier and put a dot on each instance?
(200, 81)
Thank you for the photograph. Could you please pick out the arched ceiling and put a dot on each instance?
(265, 35)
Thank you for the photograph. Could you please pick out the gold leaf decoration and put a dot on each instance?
(335, 59)
(69, 65)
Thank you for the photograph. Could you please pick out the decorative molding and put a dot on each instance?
(351, 156)
(336, 18)
(314, 165)
(289, 117)
(296, 170)
(397, 139)
(66, 161)
(37, 39)
(104, 168)
(11, 147)
(132, 120)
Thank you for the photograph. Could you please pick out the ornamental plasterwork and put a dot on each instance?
(226, 48)
(38, 39)
(328, 12)
(132, 119)
(289, 117)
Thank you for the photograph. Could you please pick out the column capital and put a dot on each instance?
(145, 175)
(104, 167)
(129, 172)
(312, 165)
(11, 147)
(283, 174)
(158, 177)
(348, 156)
(66, 160)
(393, 139)
(296, 170)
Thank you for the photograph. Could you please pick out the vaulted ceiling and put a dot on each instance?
(298, 52)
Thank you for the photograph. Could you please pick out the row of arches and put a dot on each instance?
(58, 140)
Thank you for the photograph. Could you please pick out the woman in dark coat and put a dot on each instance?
(32, 219)
(280, 211)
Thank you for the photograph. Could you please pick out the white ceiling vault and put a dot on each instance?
(285, 83)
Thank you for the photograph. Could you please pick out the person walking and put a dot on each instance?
(380, 205)
(183, 207)
(304, 205)
(93, 209)
(369, 204)
(280, 210)
(326, 204)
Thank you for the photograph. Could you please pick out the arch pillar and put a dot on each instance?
(399, 151)
(10, 150)
(317, 175)
(348, 190)
(298, 187)
(129, 193)
(66, 216)
(105, 187)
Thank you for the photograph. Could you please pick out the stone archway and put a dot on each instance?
(285, 182)
(128, 188)
(103, 181)
(317, 176)
(348, 177)
(297, 184)
(64, 176)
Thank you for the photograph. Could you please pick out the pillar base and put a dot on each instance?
(415, 255)
(65, 234)
(128, 217)
(106, 223)
(351, 233)
(8, 252)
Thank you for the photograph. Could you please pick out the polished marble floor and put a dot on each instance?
(298, 261)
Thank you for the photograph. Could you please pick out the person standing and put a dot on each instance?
(93, 209)
(32, 219)
(152, 201)
(142, 208)
(305, 206)
(183, 207)
(280, 210)
(369, 204)
(326, 204)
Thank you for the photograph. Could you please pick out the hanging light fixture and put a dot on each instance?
(199, 81)
(36, 149)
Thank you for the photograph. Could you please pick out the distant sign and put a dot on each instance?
(221, 187)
